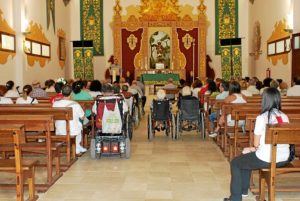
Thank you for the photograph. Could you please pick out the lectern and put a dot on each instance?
(83, 59)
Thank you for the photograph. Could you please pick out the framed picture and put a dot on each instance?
(7, 42)
(271, 49)
(45, 50)
(36, 48)
(280, 47)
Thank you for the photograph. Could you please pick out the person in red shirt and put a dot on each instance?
(58, 88)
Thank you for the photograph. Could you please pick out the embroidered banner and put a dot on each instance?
(236, 62)
(92, 24)
(83, 63)
(226, 21)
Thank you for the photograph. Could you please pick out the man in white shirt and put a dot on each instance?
(75, 124)
(294, 90)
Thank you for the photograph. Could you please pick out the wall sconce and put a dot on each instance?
(256, 53)
(290, 23)
(25, 27)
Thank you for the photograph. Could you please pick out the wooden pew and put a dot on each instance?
(24, 169)
(241, 113)
(63, 113)
(38, 123)
(279, 134)
(227, 109)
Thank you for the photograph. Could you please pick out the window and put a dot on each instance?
(280, 46)
(7, 42)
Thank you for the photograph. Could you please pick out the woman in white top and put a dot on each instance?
(259, 156)
(235, 96)
(4, 100)
(11, 93)
(26, 99)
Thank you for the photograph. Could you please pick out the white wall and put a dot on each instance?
(268, 12)
(35, 10)
(7, 70)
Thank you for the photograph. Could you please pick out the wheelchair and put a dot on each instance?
(161, 113)
(189, 117)
(112, 143)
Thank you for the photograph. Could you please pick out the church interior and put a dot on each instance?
(154, 42)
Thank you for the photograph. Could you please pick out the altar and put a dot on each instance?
(160, 35)
(159, 79)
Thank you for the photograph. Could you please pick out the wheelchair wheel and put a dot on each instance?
(93, 148)
(178, 127)
(202, 125)
(199, 124)
(150, 129)
(136, 117)
(173, 127)
(127, 148)
(129, 128)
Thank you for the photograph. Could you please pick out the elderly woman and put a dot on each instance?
(186, 94)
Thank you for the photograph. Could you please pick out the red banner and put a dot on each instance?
(188, 53)
(128, 52)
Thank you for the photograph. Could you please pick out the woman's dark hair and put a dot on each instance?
(95, 85)
(49, 83)
(9, 84)
(197, 84)
(267, 82)
(225, 85)
(58, 87)
(234, 87)
(77, 86)
(26, 91)
(271, 99)
(212, 87)
(3, 90)
(259, 85)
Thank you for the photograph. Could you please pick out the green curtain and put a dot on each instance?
(83, 63)
(226, 21)
(236, 62)
(92, 23)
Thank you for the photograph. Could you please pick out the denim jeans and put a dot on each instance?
(241, 168)
(212, 118)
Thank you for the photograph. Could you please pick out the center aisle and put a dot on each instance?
(189, 169)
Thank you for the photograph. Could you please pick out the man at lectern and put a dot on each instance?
(114, 69)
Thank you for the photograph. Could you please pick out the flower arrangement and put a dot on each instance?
(62, 80)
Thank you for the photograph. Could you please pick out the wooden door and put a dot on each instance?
(295, 55)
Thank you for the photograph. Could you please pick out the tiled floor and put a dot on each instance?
(190, 169)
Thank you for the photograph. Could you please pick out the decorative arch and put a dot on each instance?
(185, 30)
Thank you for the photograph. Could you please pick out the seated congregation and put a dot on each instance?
(240, 116)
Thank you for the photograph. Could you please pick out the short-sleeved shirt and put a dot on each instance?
(28, 100)
(75, 124)
(11, 94)
(264, 150)
(38, 92)
(4, 100)
(83, 95)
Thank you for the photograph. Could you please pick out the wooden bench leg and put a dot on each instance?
(262, 185)
(20, 186)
